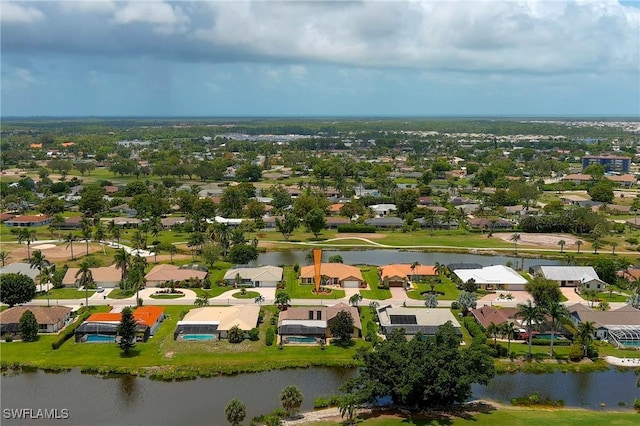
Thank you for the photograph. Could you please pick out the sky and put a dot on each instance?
(320, 58)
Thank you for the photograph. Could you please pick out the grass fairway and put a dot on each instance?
(509, 416)
(166, 358)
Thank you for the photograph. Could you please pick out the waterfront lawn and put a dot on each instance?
(503, 416)
(166, 358)
(64, 293)
(295, 290)
(370, 275)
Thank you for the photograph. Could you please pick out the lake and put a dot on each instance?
(128, 400)
(384, 257)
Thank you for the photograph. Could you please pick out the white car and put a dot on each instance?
(100, 289)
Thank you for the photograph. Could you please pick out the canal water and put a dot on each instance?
(128, 400)
(384, 257)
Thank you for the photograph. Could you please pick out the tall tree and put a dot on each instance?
(508, 330)
(515, 238)
(28, 326)
(341, 327)
(586, 333)
(86, 279)
(26, 235)
(3, 257)
(315, 222)
(122, 260)
(39, 261)
(127, 330)
(69, 240)
(531, 315)
(287, 225)
(16, 289)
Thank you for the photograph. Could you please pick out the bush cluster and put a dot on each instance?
(355, 228)
(270, 336)
(69, 331)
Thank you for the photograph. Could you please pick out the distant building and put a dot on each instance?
(611, 163)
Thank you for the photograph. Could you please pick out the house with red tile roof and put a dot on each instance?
(488, 314)
(28, 220)
(147, 317)
(400, 274)
(346, 276)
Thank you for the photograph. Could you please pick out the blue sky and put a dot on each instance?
(320, 58)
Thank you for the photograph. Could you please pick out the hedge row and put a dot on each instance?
(70, 330)
(368, 229)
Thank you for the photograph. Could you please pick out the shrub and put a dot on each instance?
(70, 330)
(254, 334)
(636, 405)
(455, 305)
(270, 337)
(547, 342)
(8, 338)
(576, 353)
(322, 402)
(368, 229)
(235, 335)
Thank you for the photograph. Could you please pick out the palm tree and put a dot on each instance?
(586, 333)
(86, 234)
(28, 236)
(531, 315)
(259, 300)
(172, 250)
(69, 239)
(58, 222)
(355, 299)
(348, 405)
(202, 300)
(493, 330)
(557, 312)
(138, 240)
(439, 270)
(100, 235)
(613, 247)
(562, 243)
(590, 295)
(291, 399)
(597, 244)
(579, 243)
(235, 412)
(3, 257)
(196, 240)
(509, 331)
(39, 262)
(222, 235)
(515, 238)
(414, 265)
(85, 280)
(122, 260)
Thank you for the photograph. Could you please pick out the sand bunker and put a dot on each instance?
(44, 247)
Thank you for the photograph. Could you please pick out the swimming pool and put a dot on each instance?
(100, 338)
(300, 339)
(198, 337)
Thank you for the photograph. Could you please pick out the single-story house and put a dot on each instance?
(482, 223)
(496, 277)
(332, 222)
(105, 324)
(488, 314)
(315, 321)
(213, 322)
(400, 274)
(28, 220)
(382, 210)
(346, 276)
(20, 268)
(568, 276)
(621, 327)
(263, 276)
(51, 319)
(385, 222)
(163, 273)
(414, 320)
(170, 222)
(104, 276)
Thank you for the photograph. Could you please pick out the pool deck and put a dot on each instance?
(622, 362)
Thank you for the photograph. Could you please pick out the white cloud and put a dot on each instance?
(166, 17)
(88, 6)
(11, 12)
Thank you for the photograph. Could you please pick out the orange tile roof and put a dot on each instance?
(35, 146)
(67, 144)
(335, 208)
(332, 270)
(404, 270)
(25, 218)
(147, 315)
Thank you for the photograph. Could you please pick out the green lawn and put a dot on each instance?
(295, 290)
(246, 295)
(121, 294)
(168, 358)
(65, 293)
(370, 275)
(446, 286)
(506, 416)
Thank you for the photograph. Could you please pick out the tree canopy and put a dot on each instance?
(425, 372)
(16, 289)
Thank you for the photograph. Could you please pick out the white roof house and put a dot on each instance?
(264, 276)
(567, 276)
(496, 277)
(382, 210)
